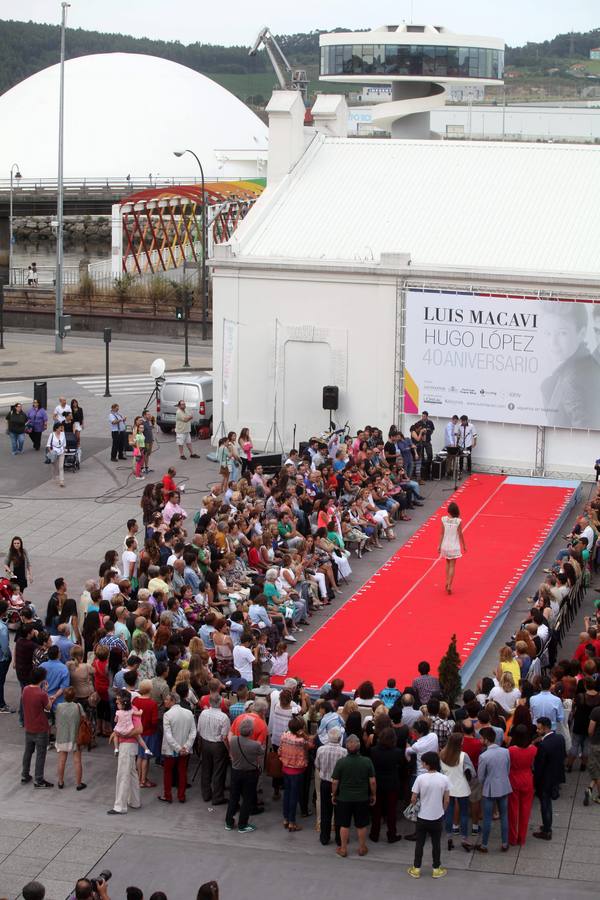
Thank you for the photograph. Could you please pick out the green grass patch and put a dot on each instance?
(262, 84)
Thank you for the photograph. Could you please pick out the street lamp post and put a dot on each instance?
(58, 312)
(202, 265)
(16, 173)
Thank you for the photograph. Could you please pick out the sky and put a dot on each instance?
(190, 21)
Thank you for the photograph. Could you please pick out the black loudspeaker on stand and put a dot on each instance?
(331, 397)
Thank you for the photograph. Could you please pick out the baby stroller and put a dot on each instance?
(71, 453)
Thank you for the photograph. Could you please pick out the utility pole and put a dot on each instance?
(58, 312)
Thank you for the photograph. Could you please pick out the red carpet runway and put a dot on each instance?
(403, 615)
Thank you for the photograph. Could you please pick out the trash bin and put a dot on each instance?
(40, 393)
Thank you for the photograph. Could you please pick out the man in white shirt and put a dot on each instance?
(586, 531)
(293, 459)
(111, 588)
(467, 440)
(410, 715)
(546, 705)
(244, 658)
(129, 559)
(61, 410)
(451, 432)
(427, 743)
(179, 733)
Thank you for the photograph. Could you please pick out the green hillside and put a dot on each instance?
(28, 47)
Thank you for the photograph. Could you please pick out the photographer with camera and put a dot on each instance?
(92, 888)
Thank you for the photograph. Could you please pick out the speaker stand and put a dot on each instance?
(274, 430)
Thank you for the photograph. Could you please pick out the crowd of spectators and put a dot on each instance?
(188, 621)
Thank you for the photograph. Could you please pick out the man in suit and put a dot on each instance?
(493, 773)
(548, 772)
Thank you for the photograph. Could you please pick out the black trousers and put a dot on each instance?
(545, 797)
(461, 460)
(433, 827)
(243, 786)
(36, 439)
(426, 453)
(118, 445)
(327, 814)
(213, 771)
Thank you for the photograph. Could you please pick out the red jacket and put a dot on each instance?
(149, 709)
(168, 484)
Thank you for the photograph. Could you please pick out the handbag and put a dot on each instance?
(85, 735)
(273, 765)
(412, 811)
(93, 699)
(51, 454)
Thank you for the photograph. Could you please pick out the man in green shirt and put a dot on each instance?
(352, 792)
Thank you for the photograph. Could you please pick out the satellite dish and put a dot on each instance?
(157, 369)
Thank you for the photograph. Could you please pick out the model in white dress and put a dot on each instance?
(450, 548)
(452, 542)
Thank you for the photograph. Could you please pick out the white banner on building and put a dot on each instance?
(503, 359)
(229, 338)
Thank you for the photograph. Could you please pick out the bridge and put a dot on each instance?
(81, 197)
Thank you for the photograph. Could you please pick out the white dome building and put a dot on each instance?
(125, 114)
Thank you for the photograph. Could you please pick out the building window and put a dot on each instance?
(399, 59)
(428, 61)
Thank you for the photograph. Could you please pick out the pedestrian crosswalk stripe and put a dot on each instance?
(125, 384)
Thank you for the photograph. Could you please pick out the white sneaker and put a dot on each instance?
(290, 639)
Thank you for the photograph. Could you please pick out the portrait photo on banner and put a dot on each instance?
(523, 360)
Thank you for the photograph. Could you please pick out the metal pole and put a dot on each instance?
(107, 368)
(186, 328)
(10, 227)
(202, 266)
(58, 313)
(222, 380)
(204, 285)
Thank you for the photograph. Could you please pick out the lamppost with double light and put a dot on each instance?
(15, 172)
(201, 266)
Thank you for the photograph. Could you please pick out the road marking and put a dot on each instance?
(125, 384)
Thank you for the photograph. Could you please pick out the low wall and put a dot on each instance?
(34, 308)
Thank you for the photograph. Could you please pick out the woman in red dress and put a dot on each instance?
(522, 754)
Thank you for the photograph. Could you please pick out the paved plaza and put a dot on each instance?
(57, 836)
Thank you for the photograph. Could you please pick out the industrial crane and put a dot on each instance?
(296, 78)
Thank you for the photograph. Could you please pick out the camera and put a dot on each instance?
(104, 876)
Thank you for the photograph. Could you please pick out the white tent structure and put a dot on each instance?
(125, 113)
(453, 277)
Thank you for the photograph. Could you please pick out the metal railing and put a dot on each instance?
(45, 276)
(109, 184)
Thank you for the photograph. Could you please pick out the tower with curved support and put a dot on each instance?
(419, 61)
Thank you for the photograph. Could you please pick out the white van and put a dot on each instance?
(196, 390)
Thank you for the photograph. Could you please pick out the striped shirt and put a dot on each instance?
(326, 758)
(443, 728)
(236, 709)
(213, 725)
(113, 641)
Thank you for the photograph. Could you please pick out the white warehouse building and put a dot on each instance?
(414, 274)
